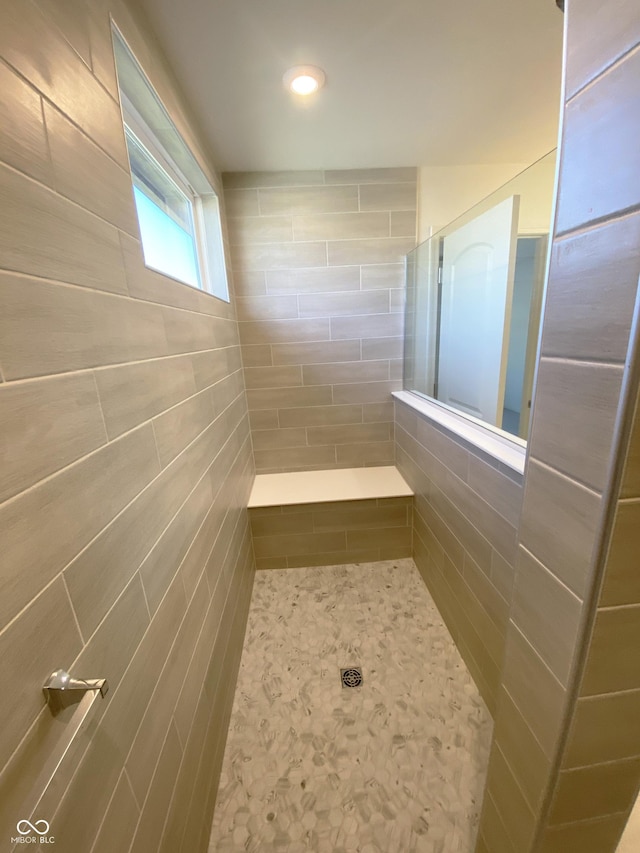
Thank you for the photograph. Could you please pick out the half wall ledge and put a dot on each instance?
(510, 453)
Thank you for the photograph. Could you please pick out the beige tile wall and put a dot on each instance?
(600, 764)
(466, 514)
(319, 264)
(550, 789)
(327, 534)
(125, 454)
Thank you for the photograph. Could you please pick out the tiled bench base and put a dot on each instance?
(322, 532)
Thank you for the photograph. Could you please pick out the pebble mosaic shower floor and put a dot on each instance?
(396, 765)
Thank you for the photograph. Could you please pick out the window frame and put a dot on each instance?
(135, 125)
(205, 206)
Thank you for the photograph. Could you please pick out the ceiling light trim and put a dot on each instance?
(304, 80)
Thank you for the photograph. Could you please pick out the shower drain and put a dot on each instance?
(351, 676)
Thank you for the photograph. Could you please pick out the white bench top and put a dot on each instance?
(341, 484)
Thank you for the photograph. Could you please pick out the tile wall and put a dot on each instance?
(319, 264)
(570, 485)
(126, 459)
(332, 533)
(600, 764)
(466, 515)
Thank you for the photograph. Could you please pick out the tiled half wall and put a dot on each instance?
(319, 270)
(466, 513)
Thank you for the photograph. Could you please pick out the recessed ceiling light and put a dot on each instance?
(304, 79)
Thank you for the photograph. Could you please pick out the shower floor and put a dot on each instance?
(396, 765)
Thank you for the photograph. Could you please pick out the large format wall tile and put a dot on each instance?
(66, 409)
(23, 141)
(534, 689)
(589, 792)
(60, 515)
(348, 304)
(276, 256)
(257, 229)
(395, 175)
(527, 759)
(601, 125)
(320, 260)
(306, 200)
(238, 180)
(121, 819)
(581, 399)
(125, 452)
(151, 824)
(588, 836)
(558, 516)
(342, 226)
(41, 54)
(588, 313)
(132, 393)
(29, 656)
(49, 328)
(342, 532)
(547, 613)
(612, 664)
(502, 786)
(617, 35)
(621, 582)
(383, 251)
(593, 739)
(381, 196)
(346, 372)
(43, 234)
(321, 280)
(86, 175)
(631, 477)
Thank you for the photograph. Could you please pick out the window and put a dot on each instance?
(177, 208)
(165, 216)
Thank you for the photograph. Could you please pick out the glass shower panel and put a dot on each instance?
(475, 310)
(474, 299)
(421, 318)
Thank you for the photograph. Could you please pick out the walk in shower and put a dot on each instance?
(474, 297)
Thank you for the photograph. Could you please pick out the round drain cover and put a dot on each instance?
(351, 677)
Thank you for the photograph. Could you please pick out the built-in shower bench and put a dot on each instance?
(322, 518)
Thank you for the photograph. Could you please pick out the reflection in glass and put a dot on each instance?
(474, 296)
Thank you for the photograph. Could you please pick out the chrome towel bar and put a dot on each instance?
(61, 691)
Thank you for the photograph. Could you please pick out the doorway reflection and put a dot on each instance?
(474, 301)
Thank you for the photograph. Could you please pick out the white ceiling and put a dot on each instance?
(409, 82)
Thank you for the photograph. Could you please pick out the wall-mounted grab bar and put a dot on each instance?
(62, 691)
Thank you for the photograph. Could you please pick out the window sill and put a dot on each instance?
(507, 452)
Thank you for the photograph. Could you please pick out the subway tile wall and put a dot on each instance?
(573, 456)
(126, 459)
(319, 269)
(466, 512)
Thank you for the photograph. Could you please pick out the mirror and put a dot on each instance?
(474, 302)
